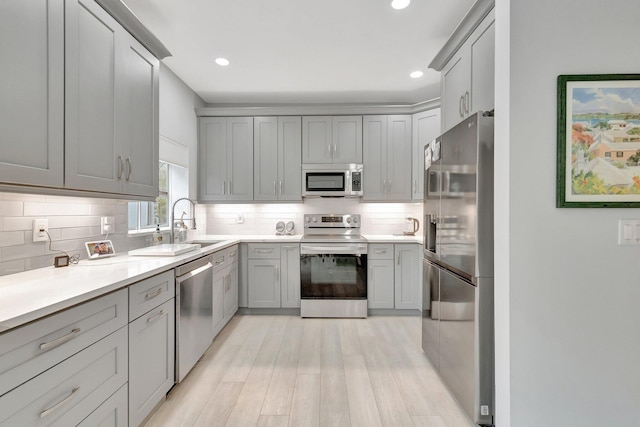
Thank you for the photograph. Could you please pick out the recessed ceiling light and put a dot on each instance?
(400, 4)
(222, 61)
(416, 74)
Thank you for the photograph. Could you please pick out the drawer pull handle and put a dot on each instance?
(289, 247)
(219, 261)
(59, 404)
(233, 254)
(380, 251)
(51, 344)
(152, 295)
(155, 316)
(264, 251)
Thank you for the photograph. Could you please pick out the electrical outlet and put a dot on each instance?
(240, 219)
(107, 224)
(40, 225)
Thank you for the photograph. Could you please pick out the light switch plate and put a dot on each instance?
(107, 224)
(240, 219)
(629, 232)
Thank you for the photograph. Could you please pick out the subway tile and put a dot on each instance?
(74, 221)
(16, 223)
(11, 238)
(11, 208)
(53, 209)
(81, 233)
(22, 251)
(11, 267)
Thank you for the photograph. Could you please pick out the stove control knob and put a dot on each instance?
(314, 219)
(348, 220)
(355, 219)
(307, 219)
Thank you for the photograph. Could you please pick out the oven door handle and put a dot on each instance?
(333, 249)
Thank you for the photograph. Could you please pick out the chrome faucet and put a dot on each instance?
(192, 219)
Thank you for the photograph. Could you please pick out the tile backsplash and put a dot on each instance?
(72, 221)
(377, 218)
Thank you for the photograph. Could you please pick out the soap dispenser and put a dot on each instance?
(157, 236)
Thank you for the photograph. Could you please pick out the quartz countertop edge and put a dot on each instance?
(34, 294)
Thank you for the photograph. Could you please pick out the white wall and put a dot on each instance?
(178, 120)
(574, 294)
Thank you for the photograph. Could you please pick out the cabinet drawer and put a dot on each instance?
(380, 251)
(232, 254)
(112, 413)
(29, 350)
(150, 293)
(218, 259)
(264, 250)
(67, 393)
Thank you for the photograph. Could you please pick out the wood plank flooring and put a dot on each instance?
(279, 371)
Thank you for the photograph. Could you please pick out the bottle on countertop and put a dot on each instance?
(157, 236)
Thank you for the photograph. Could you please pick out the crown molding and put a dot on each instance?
(469, 22)
(314, 109)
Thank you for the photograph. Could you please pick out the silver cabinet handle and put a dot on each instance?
(263, 251)
(274, 188)
(230, 187)
(128, 168)
(152, 295)
(224, 188)
(280, 187)
(59, 404)
(233, 254)
(51, 344)
(380, 251)
(335, 150)
(398, 258)
(277, 273)
(219, 261)
(415, 186)
(120, 167)
(289, 247)
(329, 150)
(155, 316)
(466, 102)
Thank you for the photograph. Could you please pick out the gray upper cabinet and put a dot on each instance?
(387, 158)
(332, 139)
(111, 106)
(426, 126)
(32, 92)
(468, 77)
(277, 150)
(226, 159)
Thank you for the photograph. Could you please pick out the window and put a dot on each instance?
(173, 184)
(607, 154)
(619, 154)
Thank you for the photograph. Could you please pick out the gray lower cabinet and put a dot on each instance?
(387, 152)
(71, 390)
(407, 281)
(273, 273)
(231, 288)
(151, 344)
(394, 277)
(151, 360)
(32, 92)
(380, 286)
(277, 153)
(225, 287)
(219, 285)
(225, 159)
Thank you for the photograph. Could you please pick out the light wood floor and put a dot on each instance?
(287, 371)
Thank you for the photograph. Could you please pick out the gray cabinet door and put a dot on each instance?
(374, 129)
(347, 139)
(231, 292)
(151, 360)
(407, 278)
(265, 154)
(426, 127)
(138, 122)
(212, 159)
(317, 139)
(93, 154)
(290, 282)
(399, 151)
(455, 82)
(32, 92)
(289, 158)
(483, 65)
(264, 283)
(380, 284)
(219, 284)
(240, 158)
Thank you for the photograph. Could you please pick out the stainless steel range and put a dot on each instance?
(333, 267)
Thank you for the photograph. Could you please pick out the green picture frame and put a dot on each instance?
(598, 157)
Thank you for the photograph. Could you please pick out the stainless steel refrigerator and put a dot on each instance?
(457, 318)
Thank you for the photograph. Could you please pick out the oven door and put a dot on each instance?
(333, 271)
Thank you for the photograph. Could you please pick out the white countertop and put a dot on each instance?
(33, 294)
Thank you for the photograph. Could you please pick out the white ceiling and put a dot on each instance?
(303, 51)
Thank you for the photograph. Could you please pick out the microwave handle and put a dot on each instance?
(446, 182)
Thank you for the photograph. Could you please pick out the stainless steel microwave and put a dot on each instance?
(331, 180)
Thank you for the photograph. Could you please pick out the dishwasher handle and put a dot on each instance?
(194, 272)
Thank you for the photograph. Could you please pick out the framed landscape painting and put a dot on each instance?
(598, 161)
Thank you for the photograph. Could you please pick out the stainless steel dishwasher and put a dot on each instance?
(194, 314)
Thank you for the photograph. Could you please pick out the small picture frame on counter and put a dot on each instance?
(99, 249)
